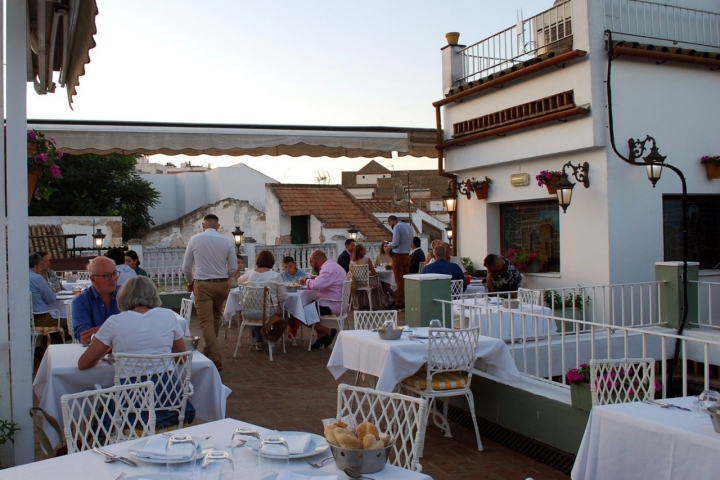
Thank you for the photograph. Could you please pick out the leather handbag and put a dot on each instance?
(274, 327)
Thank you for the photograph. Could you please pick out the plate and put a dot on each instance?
(420, 332)
(203, 448)
(307, 473)
(156, 476)
(64, 296)
(317, 445)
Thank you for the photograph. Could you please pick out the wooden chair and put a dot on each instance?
(402, 416)
(97, 418)
(170, 373)
(622, 381)
(256, 308)
(364, 282)
(448, 372)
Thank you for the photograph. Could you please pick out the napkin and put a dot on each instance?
(297, 444)
(286, 475)
(155, 449)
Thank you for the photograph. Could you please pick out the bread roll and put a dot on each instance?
(366, 428)
(375, 446)
(330, 435)
(368, 440)
(340, 424)
(385, 438)
(348, 440)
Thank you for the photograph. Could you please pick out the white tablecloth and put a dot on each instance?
(89, 464)
(58, 374)
(232, 304)
(386, 276)
(301, 305)
(511, 326)
(641, 441)
(392, 360)
(70, 285)
(474, 288)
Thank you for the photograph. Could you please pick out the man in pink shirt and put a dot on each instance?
(328, 284)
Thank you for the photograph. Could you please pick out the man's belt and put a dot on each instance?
(213, 280)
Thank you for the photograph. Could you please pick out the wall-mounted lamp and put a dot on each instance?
(450, 198)
(565, 187)
(353, 232)
(238, 236)
(449, 232)
(98, 239)
(653, 161)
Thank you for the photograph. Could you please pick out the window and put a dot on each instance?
(703, 222)
(532, 226)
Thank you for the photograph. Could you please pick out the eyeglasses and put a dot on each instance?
(108, 276)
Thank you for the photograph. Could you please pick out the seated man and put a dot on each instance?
(96, 303)
(440, 265)
(326, 285)
(344, 258)
(290, 271)
(502, 276)
(417, 256)
(117, 255)
(42, 296)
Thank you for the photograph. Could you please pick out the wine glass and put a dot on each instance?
(244, 440)
(180, 455)
(217, 465)
(708, 398)
(273, 455)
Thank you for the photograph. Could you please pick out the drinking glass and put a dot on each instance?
(708, 398)
(435, 323)
(180, 455)
(217, 465)
(244, 440)
(273, 454)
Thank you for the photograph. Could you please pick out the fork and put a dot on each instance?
(320, 464)
(666, 405)
(121, 476)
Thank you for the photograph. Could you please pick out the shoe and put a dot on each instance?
(218, 365)
(259, 346)
(320, 342)
(329, 339)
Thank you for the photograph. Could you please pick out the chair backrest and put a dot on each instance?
(398, 415)
(456, 289)
(170, 372)
(365, 320)
(451, 351)
(186, 306)
(527, 296)
(83, 275)
(257, 304)
(360, 273)
(621, 381)
(345, 296)
(96, 418)
(421, 267)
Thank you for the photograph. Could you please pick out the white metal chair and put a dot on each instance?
(364, 282)
(36, 331)
(450, 361)
(96, 418)
(256, 308)
(530, 297)
(456, 289)
(622, 381)
(68, 315)
(171, 374)
(371, 321)
(402, 416)
(421, 267)
(344, 309)
(83, 275)
(186, 306)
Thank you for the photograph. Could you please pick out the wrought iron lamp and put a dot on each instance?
(565, 187)
(98, 239)
(653, 161)
(353, 232)
(450, 198)
(449, 232)
(238, 236)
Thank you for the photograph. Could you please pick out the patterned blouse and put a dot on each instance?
(54, 281)
(508, 279)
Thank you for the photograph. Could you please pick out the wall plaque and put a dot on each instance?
(520, 179)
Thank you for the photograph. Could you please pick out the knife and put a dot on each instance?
(114, 457)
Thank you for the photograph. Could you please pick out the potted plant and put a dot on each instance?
(480, 187)
(579, 380)
(570, 306)
(712, 166)
(42, 164)
(469, 268)
(549, 178)
(624, 384)
(526, 261)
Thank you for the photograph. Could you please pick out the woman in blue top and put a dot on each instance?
(133, 261)
(290, 271)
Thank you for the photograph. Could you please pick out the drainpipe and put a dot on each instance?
(443, 173)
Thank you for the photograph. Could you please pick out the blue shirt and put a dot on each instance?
(446, 268)
(287, 278)
(42, 296)
(88, 310)
(402, 238)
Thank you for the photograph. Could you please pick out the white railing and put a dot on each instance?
(708, 311)
(164, 267)
(548, 357)
(662, 22)
(543, 33)
(301, 253)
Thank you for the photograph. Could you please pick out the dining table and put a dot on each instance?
(300, 304)
(386, 276)
(524, 321)
(393, 360)
(639, 440)
(58, 374)
(216, 435)
(68, 285)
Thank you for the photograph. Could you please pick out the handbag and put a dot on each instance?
(274, 327)
(37, 415)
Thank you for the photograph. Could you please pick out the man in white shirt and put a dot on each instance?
(209, 263)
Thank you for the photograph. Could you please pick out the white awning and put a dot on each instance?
(236, 140)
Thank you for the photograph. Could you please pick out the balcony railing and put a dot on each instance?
(662, 22)
(543, 33)
(708, 311)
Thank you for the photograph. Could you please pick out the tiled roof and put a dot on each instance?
(384, 205)
(372, 168)
(332, 205)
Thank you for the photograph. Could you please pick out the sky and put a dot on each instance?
(277, 62)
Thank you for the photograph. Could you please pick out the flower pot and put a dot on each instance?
(452, 38)
(712, 170)
(573, 313)
(532, 267)
(31, 148)
(33, 178)
(580, 396)
(551, 184)
(482, 191)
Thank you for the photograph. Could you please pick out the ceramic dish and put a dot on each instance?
(317, 445)
(203, 448)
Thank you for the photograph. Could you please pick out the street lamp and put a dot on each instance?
(353, 232)
(238, 238)
(653, 161)
(450, 199)
(565, 187)
(98, 239)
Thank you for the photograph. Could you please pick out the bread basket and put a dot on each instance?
(387, 334)
(362, 461)
(191, 343)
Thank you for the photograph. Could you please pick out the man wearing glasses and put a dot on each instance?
(98, 302)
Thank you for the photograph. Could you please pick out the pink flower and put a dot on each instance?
(658, 386)
(630, 391)
(59, 154)
(41, 157)
(55, 171)
(31, 134)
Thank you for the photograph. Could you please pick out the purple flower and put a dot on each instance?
(42, 157)
(31, 134)
(55, 171)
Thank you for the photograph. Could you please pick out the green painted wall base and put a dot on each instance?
(173, 299)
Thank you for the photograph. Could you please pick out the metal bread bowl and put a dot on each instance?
(191, 343)
(388, 334)
(362, 461)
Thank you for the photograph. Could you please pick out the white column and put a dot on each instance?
(452, 66)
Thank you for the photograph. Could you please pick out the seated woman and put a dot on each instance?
(263, 276)
(290, 271)
(430, 257)
(379, 299)
(141, 327)
(133, 261)
(384, 257)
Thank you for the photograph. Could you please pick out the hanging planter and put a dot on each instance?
(580, 396)
(549, 178)
(42, 165)
(482, 191)
(480, 187)
(712, 166)
(33, 178)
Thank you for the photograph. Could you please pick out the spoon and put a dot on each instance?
(355, 474)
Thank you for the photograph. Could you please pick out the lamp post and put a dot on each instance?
(353, 232)
(450, 199)
(98, 239)
(565, 187)
(238, 238)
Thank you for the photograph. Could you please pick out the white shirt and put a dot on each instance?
(209, 255)
(270, 279)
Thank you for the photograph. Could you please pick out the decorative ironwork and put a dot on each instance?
(653, 160)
